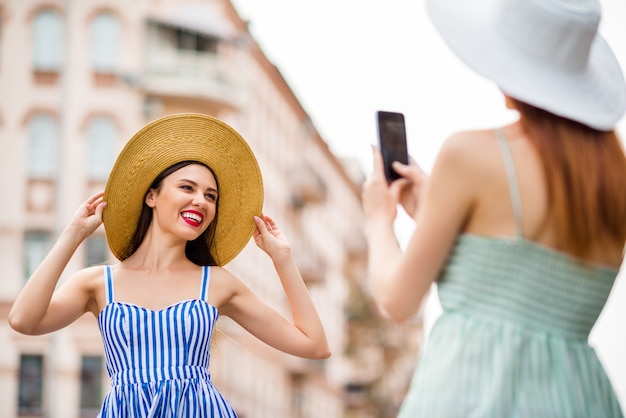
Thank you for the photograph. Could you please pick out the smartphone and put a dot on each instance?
(392, 141)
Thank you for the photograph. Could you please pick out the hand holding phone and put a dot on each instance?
(392, 141)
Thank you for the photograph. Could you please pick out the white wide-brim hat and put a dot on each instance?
(547, 53)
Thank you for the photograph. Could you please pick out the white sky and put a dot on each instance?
(345, 59)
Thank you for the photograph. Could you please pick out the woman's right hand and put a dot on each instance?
(410, 186)
(88, 216)
(38, 309)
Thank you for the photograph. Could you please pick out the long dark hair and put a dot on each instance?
(197, 251)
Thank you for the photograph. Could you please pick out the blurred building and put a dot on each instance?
(77, 79)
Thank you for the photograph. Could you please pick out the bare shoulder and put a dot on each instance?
(86, 285)
(226, 280)
(91, 281)
(90, 277)
(220, 274)
(224, 286)
(469, 152)
(469, 146)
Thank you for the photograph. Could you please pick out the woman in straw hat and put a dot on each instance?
(183, 199)
(522, 227)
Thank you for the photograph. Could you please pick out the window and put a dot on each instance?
(297, 394)
(101, 134)
(192, 41)
(36, 246)
(184, 39)
(105, 37)
(43, 137)
(30, 401)
(90, 385)
(1, 27)
(48, 41)
(97, 250)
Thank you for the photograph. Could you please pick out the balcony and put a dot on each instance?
(181, 63)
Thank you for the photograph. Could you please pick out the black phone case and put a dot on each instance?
(392, 141)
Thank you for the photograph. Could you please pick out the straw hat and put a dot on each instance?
(547, 53)
(177, 138)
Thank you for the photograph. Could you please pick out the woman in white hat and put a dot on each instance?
(522, 227)
(183, 199)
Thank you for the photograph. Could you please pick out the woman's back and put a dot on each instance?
(493, 214)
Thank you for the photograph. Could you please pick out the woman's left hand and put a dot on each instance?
(268, 237)
(409, 193)
(380, 199)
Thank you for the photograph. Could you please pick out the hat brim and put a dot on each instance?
(177, 138)
(594, 96)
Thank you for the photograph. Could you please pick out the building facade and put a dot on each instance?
(77, 79)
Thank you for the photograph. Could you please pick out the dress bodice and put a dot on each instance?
(158, 360)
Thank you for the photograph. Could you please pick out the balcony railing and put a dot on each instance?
(179, 72)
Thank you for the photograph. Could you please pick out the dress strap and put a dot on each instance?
(206, 280)
(108, 284)
(516, 201)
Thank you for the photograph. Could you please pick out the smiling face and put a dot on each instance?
(185, 203)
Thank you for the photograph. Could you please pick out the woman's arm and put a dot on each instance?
(305, 337)
(440, 207)
(38, 309)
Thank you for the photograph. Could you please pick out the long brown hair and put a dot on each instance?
(197, 251)
(585, 170)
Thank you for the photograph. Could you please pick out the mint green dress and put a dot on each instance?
(512, 339)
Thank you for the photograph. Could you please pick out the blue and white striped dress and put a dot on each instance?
(158, 360)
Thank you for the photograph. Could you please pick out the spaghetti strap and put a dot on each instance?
(206, 280)
(108, 284)
(516, 201)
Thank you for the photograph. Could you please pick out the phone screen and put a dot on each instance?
(392, 141)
